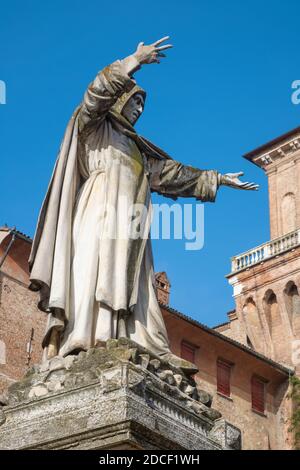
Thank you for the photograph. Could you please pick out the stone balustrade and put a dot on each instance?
(267, 250)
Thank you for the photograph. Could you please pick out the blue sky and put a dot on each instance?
(224, 89)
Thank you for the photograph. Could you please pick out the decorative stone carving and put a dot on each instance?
(286, 148)
(229, 435)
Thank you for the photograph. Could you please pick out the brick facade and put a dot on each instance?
(266, 290)
(21, 323)
(263, 310)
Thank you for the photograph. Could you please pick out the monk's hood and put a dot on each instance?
(123, 100)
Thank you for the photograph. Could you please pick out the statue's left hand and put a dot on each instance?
(232, 180)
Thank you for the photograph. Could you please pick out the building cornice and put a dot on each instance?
(276, 150)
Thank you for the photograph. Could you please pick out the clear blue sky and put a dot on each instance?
(223, 90)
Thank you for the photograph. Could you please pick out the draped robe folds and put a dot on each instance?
(84, 267)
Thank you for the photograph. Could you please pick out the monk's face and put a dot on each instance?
(134, 108)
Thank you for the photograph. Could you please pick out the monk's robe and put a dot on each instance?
(108, 249)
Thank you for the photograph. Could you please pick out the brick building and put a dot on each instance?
(244, 363)
(21, 323)
(266, 279)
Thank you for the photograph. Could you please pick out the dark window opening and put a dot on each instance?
(258, 394)
(223, 377)
(188, 352)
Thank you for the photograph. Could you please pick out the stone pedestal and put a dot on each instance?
(118, 397)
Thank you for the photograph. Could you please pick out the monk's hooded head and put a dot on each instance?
(131, 104)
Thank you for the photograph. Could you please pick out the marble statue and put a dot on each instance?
(94, 283)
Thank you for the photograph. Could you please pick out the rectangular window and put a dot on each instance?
(188, 352)
(258, 394)
(223, 377)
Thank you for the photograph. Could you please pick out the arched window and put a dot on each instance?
(274, 321)
(292, 302)
(288, 213)
(255, 337)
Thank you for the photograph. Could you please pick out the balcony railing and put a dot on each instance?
(266, 251)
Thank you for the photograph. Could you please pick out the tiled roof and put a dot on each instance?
(243, 347)
(19, 234)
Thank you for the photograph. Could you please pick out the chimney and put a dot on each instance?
(162, 288)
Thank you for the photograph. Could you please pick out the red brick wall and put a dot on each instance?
(280, 334)
(18, 315)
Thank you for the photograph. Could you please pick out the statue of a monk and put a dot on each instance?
(97, 287)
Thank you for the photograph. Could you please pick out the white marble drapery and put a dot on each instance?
(88, 278)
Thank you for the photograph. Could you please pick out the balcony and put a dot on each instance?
(266, 251)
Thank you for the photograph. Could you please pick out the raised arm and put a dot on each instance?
(115, 79)
(108, 86)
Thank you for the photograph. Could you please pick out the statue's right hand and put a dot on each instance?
(151, 54)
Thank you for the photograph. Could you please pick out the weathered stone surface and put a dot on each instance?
(104, 398)
(3, 399)
(2, 417)
(189, 390)
(210, 413)
(154, 364)
(204, 397)
(38, 391)
(57, 363)
(68, 361)
(178, 379)
(112, 343)
(144, 360)
(167, 376)
(227, 434)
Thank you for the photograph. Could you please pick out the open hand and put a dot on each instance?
(232, 180)
(151, 54)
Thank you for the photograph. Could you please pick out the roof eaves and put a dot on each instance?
(286, 370)
(17, 233)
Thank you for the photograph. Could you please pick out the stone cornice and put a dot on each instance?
(272, 154)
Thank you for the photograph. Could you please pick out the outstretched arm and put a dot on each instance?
(173, 179)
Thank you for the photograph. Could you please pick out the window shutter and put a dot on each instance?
(258, 395)
(188, 352)
(223, 378)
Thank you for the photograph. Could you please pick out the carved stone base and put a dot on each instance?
(118, 397)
